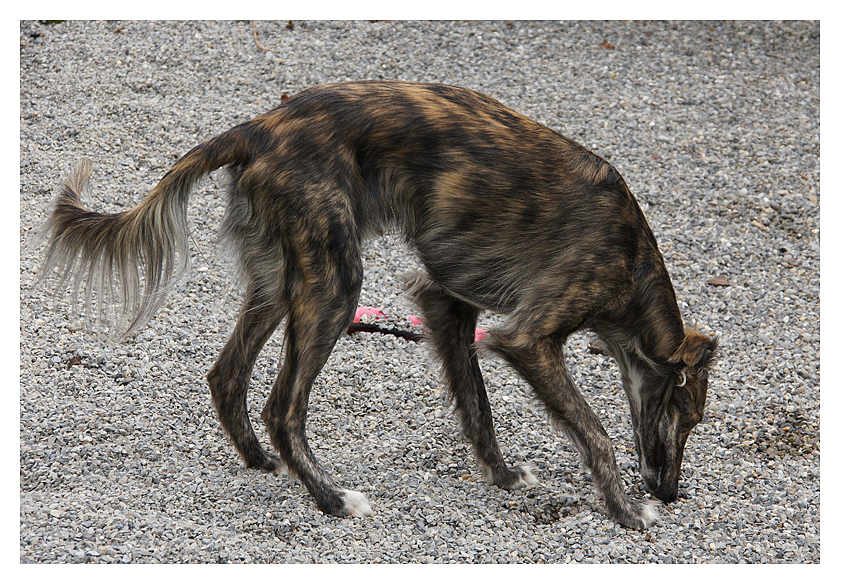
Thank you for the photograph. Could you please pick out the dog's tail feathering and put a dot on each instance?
(129, 260)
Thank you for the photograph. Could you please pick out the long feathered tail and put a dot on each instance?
(129, 261)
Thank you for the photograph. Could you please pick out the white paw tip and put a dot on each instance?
(356, 504)
(524, 473)
(527, 477)
(649, 514)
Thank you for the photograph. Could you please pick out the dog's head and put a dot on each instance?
(666, 405)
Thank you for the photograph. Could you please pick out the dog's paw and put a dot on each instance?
(356, 504)
(526, 476)
(637, 515)
(265, 461)
(649, 515)
(510, 478)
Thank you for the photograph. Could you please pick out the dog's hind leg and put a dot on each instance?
(319, 314)
(540, 361)
(230, 375)
(452, 325)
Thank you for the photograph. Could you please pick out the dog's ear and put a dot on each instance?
(696, 349)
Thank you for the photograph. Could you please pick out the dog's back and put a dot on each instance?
(498, 207)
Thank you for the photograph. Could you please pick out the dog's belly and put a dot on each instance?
(483, 282)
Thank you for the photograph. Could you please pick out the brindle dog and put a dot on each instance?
(505, 214)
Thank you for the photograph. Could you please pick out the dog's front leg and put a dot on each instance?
(452, 325)
(540, 361)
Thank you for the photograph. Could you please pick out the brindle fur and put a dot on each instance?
(505, 214)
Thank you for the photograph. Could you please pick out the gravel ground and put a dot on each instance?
(716, 128)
